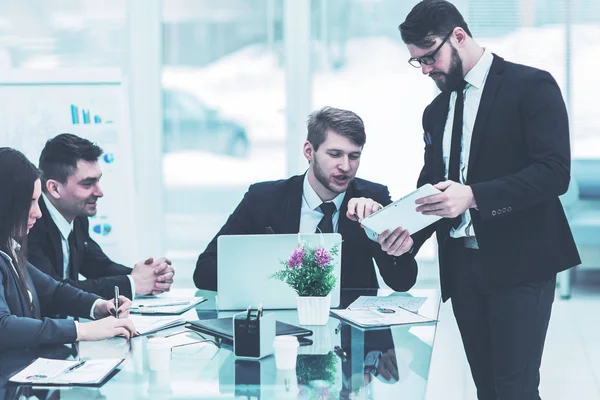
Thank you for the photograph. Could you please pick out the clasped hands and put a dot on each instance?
(153, 276)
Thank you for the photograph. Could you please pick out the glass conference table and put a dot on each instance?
(343, 362)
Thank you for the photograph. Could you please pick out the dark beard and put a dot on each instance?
(324, 179)
(454, 77)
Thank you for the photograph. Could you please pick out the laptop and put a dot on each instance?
(245, 262)
(222, 328)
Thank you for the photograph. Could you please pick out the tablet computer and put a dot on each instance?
(402, 213)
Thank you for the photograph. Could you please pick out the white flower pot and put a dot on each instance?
(313, 310)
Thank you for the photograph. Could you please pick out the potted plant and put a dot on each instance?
(309, 271)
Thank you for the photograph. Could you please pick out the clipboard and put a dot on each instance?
(401, 213)
(50, 372)
(374, 317)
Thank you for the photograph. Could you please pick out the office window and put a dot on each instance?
(223, 110)
(536, 33)
(47, 34)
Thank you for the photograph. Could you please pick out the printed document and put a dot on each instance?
(44, 371)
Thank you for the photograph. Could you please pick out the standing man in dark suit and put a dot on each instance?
(497, 146)
(327, 198)
(60, 244)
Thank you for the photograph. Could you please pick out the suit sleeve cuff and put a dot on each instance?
(76, 330)
(93, 308)
(132, 287)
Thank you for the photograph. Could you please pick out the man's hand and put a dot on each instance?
(106, 308)
(164, 274)
(454, 200)
(153, 276)
(395, 243)
(388, 366)
(361, 207)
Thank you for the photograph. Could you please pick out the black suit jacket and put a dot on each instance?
(20, 326)
(87, 258)
(277, 205)
(518, 166)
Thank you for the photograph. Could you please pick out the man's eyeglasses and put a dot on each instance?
(430, 58)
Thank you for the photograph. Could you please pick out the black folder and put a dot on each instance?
(222, 328)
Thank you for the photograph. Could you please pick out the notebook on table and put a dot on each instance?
(44, 371)
(222, 328)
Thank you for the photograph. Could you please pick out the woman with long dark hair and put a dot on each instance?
(26, 293)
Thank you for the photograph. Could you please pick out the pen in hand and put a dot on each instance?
(117, 302)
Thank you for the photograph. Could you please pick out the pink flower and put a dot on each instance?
(322, 257)
(296, 257)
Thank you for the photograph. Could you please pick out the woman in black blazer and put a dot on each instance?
(25, 292)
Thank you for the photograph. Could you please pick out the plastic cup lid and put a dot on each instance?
(158, 342)
(286, 340)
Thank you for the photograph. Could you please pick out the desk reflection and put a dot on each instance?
(344, 362)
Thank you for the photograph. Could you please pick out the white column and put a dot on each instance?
(297, 80)
(271, 25)
(143, 74)
(324, 37)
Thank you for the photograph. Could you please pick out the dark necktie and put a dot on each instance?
(72, 241)
(456, 143)
(326, 224)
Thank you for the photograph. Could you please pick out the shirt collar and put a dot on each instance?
(477, 75)
(15, 247)
(312, 198)
(62, 224)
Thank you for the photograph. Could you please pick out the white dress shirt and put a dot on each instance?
(475, 79)
(65, 228)
(310, 213)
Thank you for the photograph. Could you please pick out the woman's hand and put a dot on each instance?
(106, 308)
(106, 328)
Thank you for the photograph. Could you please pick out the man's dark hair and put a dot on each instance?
(60, 155)
(343, 122)
(430, 19)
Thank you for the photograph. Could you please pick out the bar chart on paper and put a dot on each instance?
(80, 115)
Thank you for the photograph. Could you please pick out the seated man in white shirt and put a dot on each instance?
(60, 244)
(327, 198)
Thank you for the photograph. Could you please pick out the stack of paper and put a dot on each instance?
(45, 371)
(147, 324)
(373, 311)
(164, 306)
(406, 302)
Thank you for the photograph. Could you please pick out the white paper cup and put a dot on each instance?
(159, 353)
(286, 351)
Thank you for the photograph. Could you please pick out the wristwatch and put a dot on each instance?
(372, 362)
